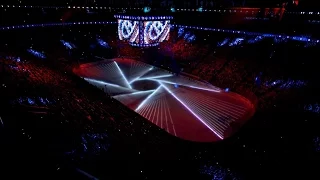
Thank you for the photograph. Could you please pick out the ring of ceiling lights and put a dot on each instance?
(108, 8)
(297, 38)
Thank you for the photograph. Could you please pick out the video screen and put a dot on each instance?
(155, 31)
(128, 30)
(143, 32)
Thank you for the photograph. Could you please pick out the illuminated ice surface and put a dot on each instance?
(189, 109)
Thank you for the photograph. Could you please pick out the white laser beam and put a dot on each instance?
(145, 100)
(155, 77)
(194, 87)
(101, 82)
(217, 134)
(137, 78)
(125, 79)
(139, 92)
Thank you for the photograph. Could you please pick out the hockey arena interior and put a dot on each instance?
(160, 89)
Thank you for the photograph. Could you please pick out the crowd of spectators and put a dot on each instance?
(266, 68)
(24, 16)
(63, 100)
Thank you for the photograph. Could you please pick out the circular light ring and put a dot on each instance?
(145, 18)
(144, 45)
(55, 24)
(300, 38)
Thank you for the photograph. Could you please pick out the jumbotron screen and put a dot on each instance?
(155, 31)
(128, 30)
(143, 33)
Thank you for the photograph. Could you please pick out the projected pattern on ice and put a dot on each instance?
(189, 109)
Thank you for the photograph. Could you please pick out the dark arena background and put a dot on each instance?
(196, 89)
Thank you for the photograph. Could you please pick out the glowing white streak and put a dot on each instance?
(99, 57)
(155, 77)
(165, 115)
(153, 117)
(125, 79)
(205, 89)
(212, 110)
(144, 110)
(135, 79)
(89, 176)
(169, 113)
(220, 106)
(217, 134)
(152, 110)
(207, 115)
(194, 87)
(139, 92)
(101, 82)
(219, 101)
(149, 110)
(158, 110)
(156, 114)
(145, 100)
(161, 120)
(1, 121)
